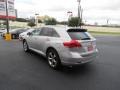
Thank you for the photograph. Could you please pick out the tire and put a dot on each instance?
(17, 36)
(25, 46)
(13, 36)
(53, 59)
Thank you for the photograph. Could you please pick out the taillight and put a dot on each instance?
(72, 44)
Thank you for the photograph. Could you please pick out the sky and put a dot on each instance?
(93, 10)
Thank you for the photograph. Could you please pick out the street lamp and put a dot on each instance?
(79, 1)
(79, 11)
(70, 14)
(36, 19)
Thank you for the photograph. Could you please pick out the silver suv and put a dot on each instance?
(61, 46)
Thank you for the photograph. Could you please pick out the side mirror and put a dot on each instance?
(29, 34)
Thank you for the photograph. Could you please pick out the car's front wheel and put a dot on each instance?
(25, 46)
(53, 59)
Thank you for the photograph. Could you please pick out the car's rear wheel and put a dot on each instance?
(25, 46)
(53, 59)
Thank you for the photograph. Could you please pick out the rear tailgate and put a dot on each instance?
(88, 43)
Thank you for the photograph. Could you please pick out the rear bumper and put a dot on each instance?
(79, 60)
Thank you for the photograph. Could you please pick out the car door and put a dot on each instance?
(46, 36)
(43, 39)
(33, 38)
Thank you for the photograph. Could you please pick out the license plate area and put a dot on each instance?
(90, 47)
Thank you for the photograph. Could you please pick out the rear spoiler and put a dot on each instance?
(77, 30)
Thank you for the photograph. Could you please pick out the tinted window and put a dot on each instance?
(79, 35)
(54, 33)
(36, 32)
(44, 32)
(49, 32)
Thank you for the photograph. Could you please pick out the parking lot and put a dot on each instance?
(29, 71)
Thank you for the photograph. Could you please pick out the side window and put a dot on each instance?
(49, 32)
(44, 32)
(36, 32)
(54, 33)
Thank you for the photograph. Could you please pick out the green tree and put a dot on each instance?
(51, 21)
(39, 21)
(31, 24)
(63, 23)
(73, 22)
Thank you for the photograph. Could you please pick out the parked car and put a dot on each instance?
(2, 31)
(15, 32)
(21, 36)
(62, 46)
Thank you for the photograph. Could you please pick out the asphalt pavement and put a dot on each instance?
(30, 71)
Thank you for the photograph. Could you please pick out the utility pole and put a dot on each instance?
(79, 11)
(70, 14)
(7, 17)
(108, 21)
(81, 17)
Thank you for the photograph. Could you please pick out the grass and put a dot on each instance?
(103, 30)
(105, 33)
(14, 25)
(18, 24)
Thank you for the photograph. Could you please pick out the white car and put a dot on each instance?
(2, 31)
(21, 36)
(62, 46)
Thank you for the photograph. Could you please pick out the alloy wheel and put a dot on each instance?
(52, 60)
(25, 46)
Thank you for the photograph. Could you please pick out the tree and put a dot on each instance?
(39, 21)
(21, 20)
(63, 23)
(73, 22)
(51, 21)
(31, 24)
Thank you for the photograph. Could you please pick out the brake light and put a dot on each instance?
(72, 44)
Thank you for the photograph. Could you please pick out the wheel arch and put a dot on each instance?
(51, 48)
(24, 40)
(59, 59)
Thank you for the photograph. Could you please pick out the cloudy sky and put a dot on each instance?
(94, 10)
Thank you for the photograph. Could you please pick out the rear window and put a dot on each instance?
(78, 34)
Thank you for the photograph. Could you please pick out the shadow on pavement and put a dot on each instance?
(84, 69)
